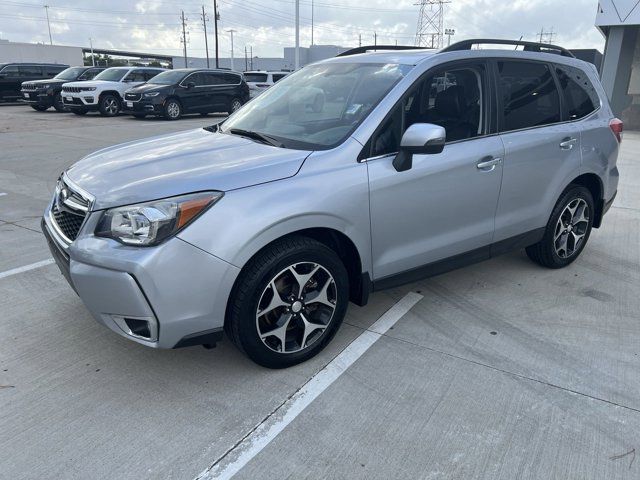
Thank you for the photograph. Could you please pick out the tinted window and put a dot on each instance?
(70, 73)
(529, 94)
(89, 74)
(30, 71)
(278, 76)
(111, 74)
(255, 77)
(10, 70)
(136, 76)
(450, 98)
(53, 71)
(230, 78)
(197, 78)
(579, 95)
(149, 74)
(169, 77)
(212, 78)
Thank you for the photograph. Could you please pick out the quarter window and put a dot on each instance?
(529, 94)
(580, 97)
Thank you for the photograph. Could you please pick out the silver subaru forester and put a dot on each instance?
(351, 175)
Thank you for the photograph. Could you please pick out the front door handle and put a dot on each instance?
(568, 143)
(488, 164)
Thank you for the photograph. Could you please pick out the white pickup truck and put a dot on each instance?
(105, 92)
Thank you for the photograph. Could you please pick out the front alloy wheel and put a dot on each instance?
(172, 110)
(288, 302)
(109, 106)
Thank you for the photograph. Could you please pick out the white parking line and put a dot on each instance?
(250, 446)
(26, 268)
(2, 194)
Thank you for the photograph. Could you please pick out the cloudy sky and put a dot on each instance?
(154, 25)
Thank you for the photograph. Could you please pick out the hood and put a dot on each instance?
(147, 87)
(50, 81)
(186, 162)
(92, 83)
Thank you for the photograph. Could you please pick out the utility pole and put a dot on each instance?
(216, 17)
(93, 59)
(206, 42)
(375, 38)
(431, 23)
(449, 32)
(184, 38)
(359, 39)
(297, 55)
(231, 32)
(46, 9)
(246, 65)
(251, 53)
(311, 22)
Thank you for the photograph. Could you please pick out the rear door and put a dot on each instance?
(32, 72)
(542, 147)
(445, 204)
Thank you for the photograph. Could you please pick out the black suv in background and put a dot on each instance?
(187, 90)
(42, 94)
(13, 74)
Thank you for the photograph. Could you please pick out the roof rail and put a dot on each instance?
(528, 46)
(366, 48)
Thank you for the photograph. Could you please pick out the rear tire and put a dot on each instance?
(58, 104)
(139, 115)
(172, 109)
(234, 105)
(109, 105)
(39, 108)
(567, 231)
(304, 318)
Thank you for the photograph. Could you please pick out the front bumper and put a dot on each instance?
(82, 101)
(175, 286)
(148, 107)
(41, 98)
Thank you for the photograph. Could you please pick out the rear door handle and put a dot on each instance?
(488, 164)
(568, 143)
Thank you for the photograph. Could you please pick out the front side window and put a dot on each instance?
(196, 78)
(30, 71)
(451, 98)
(278, 76)
(580, 97)
(529, 94)
(111, 74)
(318, 106)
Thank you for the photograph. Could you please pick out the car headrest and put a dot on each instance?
(451, 102)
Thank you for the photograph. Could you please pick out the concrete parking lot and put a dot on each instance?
(502, 370)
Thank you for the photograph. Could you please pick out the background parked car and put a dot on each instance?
(260, 81)
(13, 74)
(106, 91)
(42, 94)
(187, 90)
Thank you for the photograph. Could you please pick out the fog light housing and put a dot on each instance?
(144, 328)
(88, 99)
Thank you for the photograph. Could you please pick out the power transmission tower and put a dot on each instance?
(216, 17)
(183, 40)
(206, 41)
(546, 37)
(430, 30)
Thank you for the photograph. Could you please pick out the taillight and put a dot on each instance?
(617, 126)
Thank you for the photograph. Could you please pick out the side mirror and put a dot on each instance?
(190, 85)
(424, 138)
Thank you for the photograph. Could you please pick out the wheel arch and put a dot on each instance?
(594, 184)
(111, 92)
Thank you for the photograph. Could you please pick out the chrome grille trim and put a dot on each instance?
(29, 87)
(69, 210)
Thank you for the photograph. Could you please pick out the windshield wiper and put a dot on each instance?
(261, 137)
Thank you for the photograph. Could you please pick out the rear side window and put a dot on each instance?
(529, 93)
(89, 74)
(136, 76)
(213, 78)
(149, 74)
(230, 79)
(30, 71)
(10, 70)
(278, 76)
(255, 77)
(580, 97)
(53, 71)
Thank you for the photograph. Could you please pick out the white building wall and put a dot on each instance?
(39, 53)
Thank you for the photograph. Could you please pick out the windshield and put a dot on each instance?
(168, 78)
(319, 106)
(70, 73)
(111, 74)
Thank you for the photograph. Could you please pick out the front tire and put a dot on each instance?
(58, 104)
(567, 231)
(288, 302)
(172, 109)
(39, 108)
(109, 105)
(234, 105)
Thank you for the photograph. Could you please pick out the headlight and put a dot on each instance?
(45, 87)
(150, 223)
(152, 94)
(88, 89)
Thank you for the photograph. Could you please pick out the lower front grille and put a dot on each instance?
(135, 97)
(68, 223)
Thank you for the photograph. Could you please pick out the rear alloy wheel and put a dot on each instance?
(58, 103)
(172, 109)
(109, 105)
(39, 108)
(288, 303)
(234, 105)
(567, 231)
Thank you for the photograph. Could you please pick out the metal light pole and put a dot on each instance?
(297, 56)
(206, 41)
(93, 59)
(449, 32)
(231, 32)
(46, 9)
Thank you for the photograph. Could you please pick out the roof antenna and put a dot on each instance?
(519, 41)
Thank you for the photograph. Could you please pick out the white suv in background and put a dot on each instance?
(106, 91)
(259, 81)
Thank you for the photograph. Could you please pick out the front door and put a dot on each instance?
(445, 205)
(196, 97)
